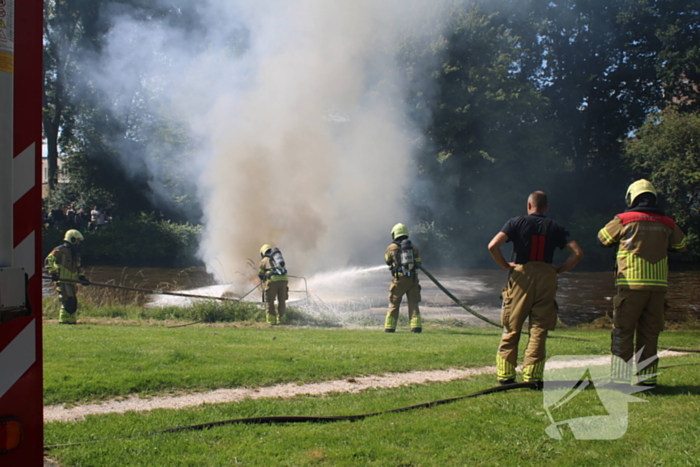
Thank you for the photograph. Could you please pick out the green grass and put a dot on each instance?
(499, 429)
(93, 362)
(93, 309)
(88, 362)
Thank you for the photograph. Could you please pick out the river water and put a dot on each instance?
(360, 295)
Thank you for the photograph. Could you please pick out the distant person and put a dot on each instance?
(78, 221)
(102, 219)
(644, 235)
(63, 264)
(107, 211)
(70, 217)
(403, 260)
(92, 225)
(532, 284)
(273, 273)
(97, 219)
(58, 218)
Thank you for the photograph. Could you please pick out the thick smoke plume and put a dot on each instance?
(296, 110)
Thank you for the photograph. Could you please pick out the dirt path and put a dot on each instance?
(54, 413)
(349, 385)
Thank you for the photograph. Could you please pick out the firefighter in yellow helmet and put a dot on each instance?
(403, 260)
(273, 273)
(532, 285)
(63, 264)
(644, 235)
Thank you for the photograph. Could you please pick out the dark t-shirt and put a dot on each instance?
(520, 231)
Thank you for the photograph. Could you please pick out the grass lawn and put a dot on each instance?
(95, 362)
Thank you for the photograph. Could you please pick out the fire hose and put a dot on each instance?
(479, 315)
(340, 418)
(149, 291)
(327, 419)
(458, 301)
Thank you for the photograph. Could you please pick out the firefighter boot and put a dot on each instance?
(66, 318)
(69, 306)
(505, 370)
(390, 324)
(416, 325)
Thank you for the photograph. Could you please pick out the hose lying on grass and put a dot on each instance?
(153, 292)
(340, 418)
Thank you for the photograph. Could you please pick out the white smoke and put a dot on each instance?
(302, 140)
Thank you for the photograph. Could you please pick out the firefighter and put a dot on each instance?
(532, 284)
(644, 236)
(403, 260)
(63, 263)
(273, 274)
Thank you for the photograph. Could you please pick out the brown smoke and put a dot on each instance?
(286, 169)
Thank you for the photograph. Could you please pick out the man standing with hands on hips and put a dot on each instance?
(532, 285)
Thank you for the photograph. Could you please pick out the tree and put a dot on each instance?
(487, 139)
(679, 55)
(64, 41)
(598, 75)
(666, 150)
(103, 135)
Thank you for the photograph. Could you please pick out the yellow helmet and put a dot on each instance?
(264, 249)
(637, 188)
(73, 236)
(399, 230)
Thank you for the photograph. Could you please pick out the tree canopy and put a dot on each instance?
(574, 97)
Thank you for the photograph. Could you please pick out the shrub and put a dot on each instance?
(137, 241)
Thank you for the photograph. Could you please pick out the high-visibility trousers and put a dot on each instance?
(637, 314)
(69, 302)
(530, 294)
(276, 290)
(401, 286)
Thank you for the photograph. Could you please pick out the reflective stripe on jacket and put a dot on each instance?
(644, 240)
(64, 262)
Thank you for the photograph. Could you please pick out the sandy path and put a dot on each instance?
(350, 385)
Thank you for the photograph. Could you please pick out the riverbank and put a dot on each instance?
(359, 295)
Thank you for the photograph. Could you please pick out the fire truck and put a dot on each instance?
(21, 403)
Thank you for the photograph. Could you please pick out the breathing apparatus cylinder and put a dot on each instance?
(406, 261)
(277, 261)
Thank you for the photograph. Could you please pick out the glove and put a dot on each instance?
(54, 277)
(83, 280)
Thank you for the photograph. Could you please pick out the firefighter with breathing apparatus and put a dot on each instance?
(63, 263)
(532, 285)
(403, 260)
(273, 273)
(644, 235)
